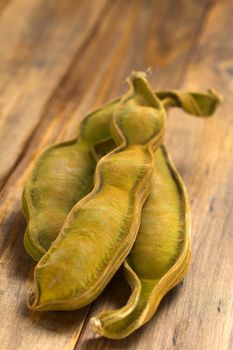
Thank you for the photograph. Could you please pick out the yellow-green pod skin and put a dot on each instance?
(62, 175)
(101, 228)
(160, 256)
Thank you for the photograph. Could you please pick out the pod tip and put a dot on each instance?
(96, 326)
(139, 74)
(218, 96)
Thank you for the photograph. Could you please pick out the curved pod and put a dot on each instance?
(62, 175)
(160, 256)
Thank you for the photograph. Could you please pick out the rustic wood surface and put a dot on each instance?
(58, 60)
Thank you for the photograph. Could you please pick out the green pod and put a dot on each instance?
(101, 228)
(160, 256)
(63, 174)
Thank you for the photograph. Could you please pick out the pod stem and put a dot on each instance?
(194, 103)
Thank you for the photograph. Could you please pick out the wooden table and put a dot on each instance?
(58, 60)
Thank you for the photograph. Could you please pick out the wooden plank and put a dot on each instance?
(90, 80)
(35, 48)
(208, 292)
(197, 314)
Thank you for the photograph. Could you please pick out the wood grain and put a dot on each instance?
(62, 59)
(34, 54)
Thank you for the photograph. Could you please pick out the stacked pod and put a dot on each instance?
(111, 198)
